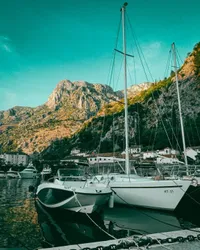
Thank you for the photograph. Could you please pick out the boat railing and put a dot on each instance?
(72, 178)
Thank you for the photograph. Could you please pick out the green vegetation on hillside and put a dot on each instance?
(197, 58)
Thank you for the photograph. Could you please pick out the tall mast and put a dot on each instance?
(127, 167)
(179, 108)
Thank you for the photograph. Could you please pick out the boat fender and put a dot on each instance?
(194, 182)
(111, 201)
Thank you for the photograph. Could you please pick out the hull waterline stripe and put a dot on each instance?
(149, 187)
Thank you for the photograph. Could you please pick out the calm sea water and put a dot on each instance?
(25, 223)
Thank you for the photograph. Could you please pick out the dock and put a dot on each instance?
(175, 240)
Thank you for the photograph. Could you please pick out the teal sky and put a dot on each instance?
(45, 41)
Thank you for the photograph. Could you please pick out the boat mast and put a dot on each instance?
(179, 108)
(127, 167)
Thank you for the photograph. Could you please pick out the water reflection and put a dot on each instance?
(126, 221)
(60, 227)
(18, 217)
(26, 223)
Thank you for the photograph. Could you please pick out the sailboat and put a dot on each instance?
(195, 179)
(132, 189)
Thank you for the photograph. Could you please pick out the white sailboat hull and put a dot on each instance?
(84, 200)
(148, 193)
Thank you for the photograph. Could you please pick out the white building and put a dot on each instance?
(191, 153)
(168, 160)
(16, 159)
(77, 152)
(133, 150)
(149, 155)
(197, 149)
(168, 151)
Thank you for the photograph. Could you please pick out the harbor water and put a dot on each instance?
(25, 223)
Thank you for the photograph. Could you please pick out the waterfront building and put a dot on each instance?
(15, 158)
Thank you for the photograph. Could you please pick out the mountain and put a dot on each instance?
(153, 117)
(73, 116)
(69, 105)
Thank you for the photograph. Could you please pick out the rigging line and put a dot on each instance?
(119, 27)
(113, 64)
(133, 60)
(197, 130)
(150, 216)
(164, 126)
(138, 45)
(159, 113)
(154, 139)
(150, 139)
(189, 135)
(192, 135)
(120, 70)
(177, 52)
(109, 80)
(190, 198)
(134, 71)
(111, 67)
(174, 134)
(167, 64)
(138, 50)
(168, 122)
(92, 219)
(123, 53)
(113, 134)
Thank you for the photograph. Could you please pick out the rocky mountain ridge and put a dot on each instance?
(153, 117)
(72, 116)
(68, 107)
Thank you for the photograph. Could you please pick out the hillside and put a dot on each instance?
(69, 105)
(153, 117)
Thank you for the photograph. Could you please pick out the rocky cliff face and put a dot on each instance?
(137, 89)
(191, 64)
(69, 105)
(81, 95)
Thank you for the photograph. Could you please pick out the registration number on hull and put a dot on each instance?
(168, 191)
